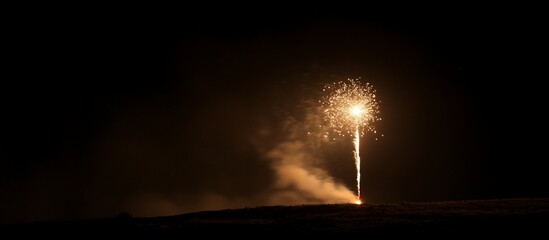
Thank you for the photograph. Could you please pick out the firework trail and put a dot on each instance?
(350, 109)
(357, 162)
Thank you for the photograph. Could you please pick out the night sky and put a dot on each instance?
(159, 115)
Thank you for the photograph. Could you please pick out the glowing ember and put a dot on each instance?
(351, 108)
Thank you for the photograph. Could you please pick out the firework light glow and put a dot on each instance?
(350, 109)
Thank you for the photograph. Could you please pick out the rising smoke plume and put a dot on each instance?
(296, 164)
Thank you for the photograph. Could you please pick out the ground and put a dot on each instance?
(494, 217)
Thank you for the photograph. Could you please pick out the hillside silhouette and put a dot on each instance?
(494, 217)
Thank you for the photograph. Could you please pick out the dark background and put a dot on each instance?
(107, 112)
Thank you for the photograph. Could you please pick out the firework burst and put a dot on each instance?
(350, 109)
(348, 105)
